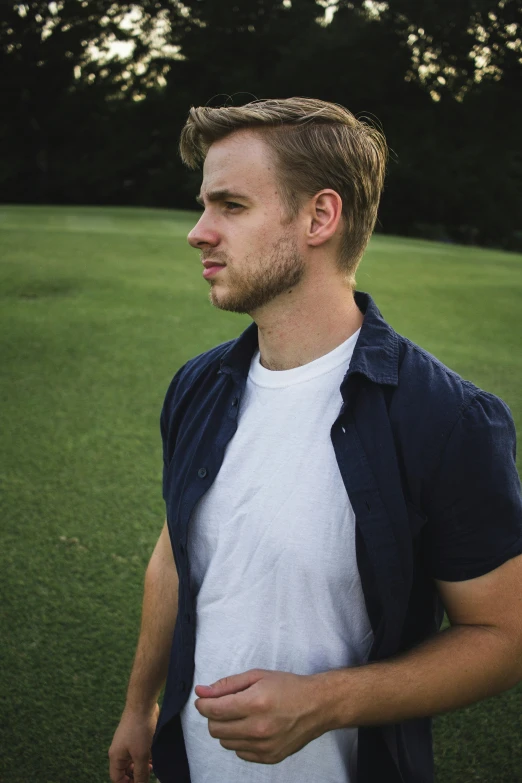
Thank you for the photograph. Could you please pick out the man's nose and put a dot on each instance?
(203, 234)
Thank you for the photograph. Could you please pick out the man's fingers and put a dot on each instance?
(118, 770)
(234, 707)
(228, 685)
(141, 771)
(229, 698)
(238, 730)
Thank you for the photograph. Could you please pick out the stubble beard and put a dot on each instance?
(257, 286)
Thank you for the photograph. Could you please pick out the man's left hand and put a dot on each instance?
(264, 716)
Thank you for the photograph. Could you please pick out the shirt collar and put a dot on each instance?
(376, 353)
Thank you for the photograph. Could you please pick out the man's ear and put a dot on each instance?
(325, 214)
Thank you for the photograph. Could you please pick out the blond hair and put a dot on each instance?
(317, 145)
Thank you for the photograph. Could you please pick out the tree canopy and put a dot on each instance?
(94, 94)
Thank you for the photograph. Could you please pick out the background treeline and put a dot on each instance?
(85, 122)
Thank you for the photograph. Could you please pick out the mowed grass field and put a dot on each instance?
(99, 307)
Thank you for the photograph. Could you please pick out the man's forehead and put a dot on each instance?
(232, 178)
(236, 158)
(229, 186)
(245, 141)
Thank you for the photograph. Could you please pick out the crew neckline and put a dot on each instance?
(276, 379)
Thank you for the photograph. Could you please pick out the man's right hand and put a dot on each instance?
(129, 754)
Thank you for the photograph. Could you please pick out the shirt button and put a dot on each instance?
(234, 402)
(202, 472)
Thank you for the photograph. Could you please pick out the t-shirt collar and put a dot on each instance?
(376, 354)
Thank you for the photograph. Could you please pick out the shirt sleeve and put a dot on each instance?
(475, 507)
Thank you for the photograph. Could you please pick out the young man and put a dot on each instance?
(329, 488)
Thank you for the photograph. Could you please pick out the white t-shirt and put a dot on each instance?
(273, 564)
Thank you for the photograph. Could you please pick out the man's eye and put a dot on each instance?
(231, 205)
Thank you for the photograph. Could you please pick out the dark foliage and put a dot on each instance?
(443, 79)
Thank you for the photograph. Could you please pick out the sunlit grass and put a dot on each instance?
(99, 307)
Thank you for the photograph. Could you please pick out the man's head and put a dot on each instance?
(296, 158)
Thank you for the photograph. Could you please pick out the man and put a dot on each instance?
(329, 488)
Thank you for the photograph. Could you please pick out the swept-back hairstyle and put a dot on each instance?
(316, 145)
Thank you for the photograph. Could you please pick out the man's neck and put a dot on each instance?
(301, 335)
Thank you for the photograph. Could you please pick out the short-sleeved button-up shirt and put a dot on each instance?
(428, 461)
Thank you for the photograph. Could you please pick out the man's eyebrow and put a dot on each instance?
(221, 195)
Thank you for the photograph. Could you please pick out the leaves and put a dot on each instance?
(93, 94)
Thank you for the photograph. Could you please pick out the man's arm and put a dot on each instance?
(130, 749)
(480, 655)
(266, 716)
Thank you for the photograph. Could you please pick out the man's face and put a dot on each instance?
(243, 227)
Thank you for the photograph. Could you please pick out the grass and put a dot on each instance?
(99, 307)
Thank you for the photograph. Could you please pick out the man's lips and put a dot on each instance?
(208, 264)
(211, 268)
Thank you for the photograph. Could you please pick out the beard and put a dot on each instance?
(256, 285)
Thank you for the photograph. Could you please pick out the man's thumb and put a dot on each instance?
(230, 685)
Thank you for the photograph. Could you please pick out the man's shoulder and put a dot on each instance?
(425, 378)
(433, 402)
(409, 372)
(202, 368)
(204, 362)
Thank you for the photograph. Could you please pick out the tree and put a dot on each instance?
(50, 81)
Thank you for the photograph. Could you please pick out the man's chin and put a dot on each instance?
(225, 303)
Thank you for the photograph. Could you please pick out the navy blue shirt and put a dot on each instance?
(428, 462)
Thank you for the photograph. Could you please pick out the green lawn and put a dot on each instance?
(99, 307)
